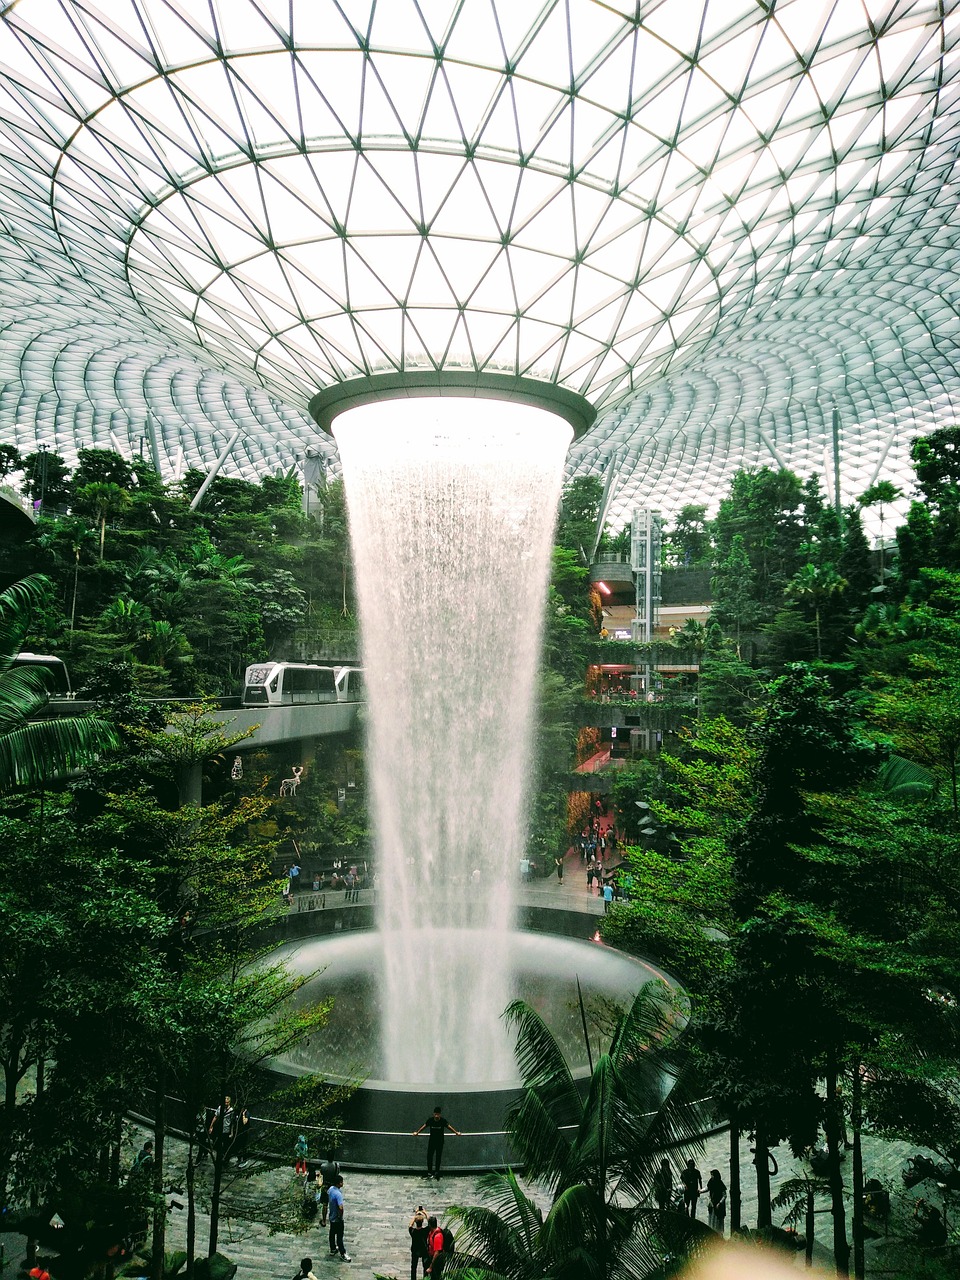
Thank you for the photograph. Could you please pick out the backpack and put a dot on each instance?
(448, 1245)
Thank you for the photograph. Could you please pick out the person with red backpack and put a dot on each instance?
(434, 1239)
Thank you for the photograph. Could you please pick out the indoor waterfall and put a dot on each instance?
(452, 505)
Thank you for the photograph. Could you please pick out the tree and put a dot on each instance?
(31, 751)
(46, 479)
(763, 509)
(689, 542)
(103, 500)
(815, 584)
(855, 564)
(770, 998)
(579, 512)
(11, 460)
(920, 707)
(880, 495)
(735, 605)
(596, 1154)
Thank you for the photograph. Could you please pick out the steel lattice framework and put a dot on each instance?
(727, 223)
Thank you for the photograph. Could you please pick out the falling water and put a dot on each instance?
(451, 505)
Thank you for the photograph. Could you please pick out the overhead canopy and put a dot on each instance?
(727, 225)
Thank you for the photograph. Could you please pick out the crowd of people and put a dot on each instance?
(344, 877)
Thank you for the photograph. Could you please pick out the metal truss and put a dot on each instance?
(719, 221)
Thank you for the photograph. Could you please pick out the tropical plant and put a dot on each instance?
(596, 1151)
(816, 584)
(32, 752)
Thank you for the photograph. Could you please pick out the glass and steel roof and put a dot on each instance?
(723, 222)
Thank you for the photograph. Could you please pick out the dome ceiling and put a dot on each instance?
(727, 224)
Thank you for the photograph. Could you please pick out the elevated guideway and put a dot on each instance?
(275, 725)
(271, 726)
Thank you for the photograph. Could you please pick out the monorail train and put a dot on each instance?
(350, 684)
(284, 684)
(58, 679)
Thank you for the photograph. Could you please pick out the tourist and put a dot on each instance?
(316, 882)
(716, 1200)
(932, 1231)
(663, 1186)
(558, 863)
(306, 1270)
(294, 876)
(692, 1180)
(335, 1218)
(300, 1153)
(434, 1238)
(607, 896)
(419, 1247)
(329, 1172)
(243, 1136)
(437, 1126)
(221, 1128)
(143, 1161)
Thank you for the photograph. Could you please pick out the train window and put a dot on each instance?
(258, 675)
(272, 686)
(307, 684)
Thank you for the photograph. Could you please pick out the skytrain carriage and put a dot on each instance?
(58, 679)
(350, 685)
(284, 684)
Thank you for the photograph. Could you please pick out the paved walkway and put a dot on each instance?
(262, 1232)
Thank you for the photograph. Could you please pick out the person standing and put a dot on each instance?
(716, 1201)
(692, 1180)
(329, 1172)
(434, 1238)
(437, 1126)
(419, 1247)
(663, 1186)
(607, 896)
(222, 1129)
(243, 1136)
(558, 863)
(335, 1217)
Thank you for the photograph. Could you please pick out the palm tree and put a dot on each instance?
(103, 500)
(816, 583)
(31, 751)
(595, 1150)
(879, 494)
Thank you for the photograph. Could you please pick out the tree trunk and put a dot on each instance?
(191, 1207)
(761, 1160)
(159, 1236)
(219, 1157)
(34, 1197)
(841, 1249)
(809, 1226)
(856, 1118)
(733, 1191)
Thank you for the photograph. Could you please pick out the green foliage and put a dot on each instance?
(596, 1153)
(32, 752)
(689, 543)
